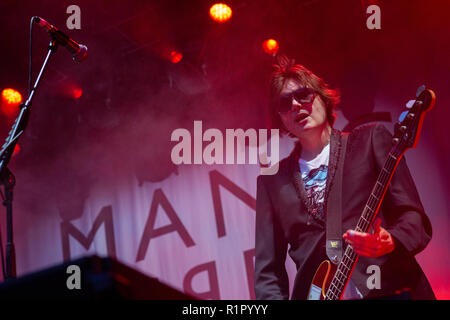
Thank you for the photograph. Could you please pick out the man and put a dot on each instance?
(292, 205)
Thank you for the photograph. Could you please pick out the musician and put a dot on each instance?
(292, 213)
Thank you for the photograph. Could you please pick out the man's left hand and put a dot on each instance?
(371, 245)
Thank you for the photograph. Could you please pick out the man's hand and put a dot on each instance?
(371, 245)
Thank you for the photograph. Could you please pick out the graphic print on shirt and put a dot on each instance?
(315, 183)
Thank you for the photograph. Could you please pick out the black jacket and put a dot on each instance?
(282, 219)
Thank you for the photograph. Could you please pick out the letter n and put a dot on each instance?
(213, 292)
(104, 217)
(217, 180)
(150, 232)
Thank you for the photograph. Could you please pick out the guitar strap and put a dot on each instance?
(334, 211)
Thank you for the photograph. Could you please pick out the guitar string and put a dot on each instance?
(363, 224)
(349, 255)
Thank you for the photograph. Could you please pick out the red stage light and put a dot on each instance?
(220, 12)
(77, 92)
(11, 99)
(70, 89)
(175, 56)
(16, 150)
(271, 46)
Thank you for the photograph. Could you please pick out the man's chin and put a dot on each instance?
(302, 129)
(304, 126)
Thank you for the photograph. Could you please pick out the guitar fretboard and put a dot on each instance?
(349, 258)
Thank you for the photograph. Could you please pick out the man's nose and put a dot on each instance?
(295, 105)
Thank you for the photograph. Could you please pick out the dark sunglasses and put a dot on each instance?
(305, 96)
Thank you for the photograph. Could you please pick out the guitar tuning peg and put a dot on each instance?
(420, 90)
(402, 116)
(410, 104)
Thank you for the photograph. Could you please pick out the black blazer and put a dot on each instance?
(282, 219)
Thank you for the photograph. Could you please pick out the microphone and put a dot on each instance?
(79, 51)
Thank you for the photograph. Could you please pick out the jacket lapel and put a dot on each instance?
(296, 176)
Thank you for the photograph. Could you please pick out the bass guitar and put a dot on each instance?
(330, 280)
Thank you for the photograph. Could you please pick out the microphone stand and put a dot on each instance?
(7, 178)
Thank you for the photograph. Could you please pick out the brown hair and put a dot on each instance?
(286, 69)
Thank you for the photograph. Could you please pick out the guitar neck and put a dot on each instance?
(349, 258)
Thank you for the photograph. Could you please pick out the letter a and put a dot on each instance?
(74, 280)
(373, 21)
(374, 281)
(74, 20)
(181, 152)
(150, 232)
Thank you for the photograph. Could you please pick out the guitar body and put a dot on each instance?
(321, 281)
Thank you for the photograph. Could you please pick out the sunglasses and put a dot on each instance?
(304, 96)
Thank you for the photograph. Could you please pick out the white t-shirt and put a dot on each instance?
(314, 175)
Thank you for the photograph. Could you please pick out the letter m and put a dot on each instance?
(104, 217)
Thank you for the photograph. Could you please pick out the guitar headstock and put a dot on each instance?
(407, 130)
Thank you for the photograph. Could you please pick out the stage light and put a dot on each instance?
(76, 93)
(220, 12)
(175, 56)
(69, 89)
(11, 97)
(271, 46)
(16, 150)
(11, 100)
